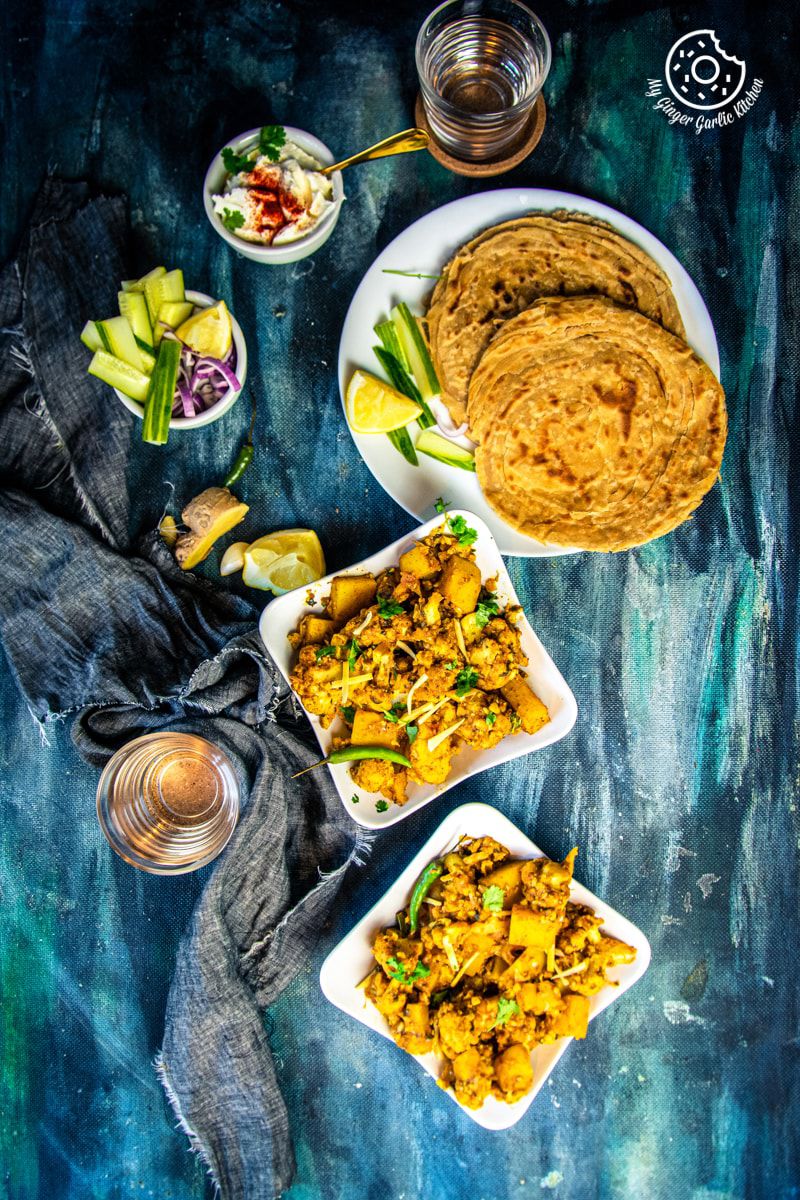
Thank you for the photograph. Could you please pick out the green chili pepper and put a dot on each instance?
(355, 754)
(245, 455)
(421, 889)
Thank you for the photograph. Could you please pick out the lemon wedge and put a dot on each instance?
(208, 332)
(302, 542)
(374, 407)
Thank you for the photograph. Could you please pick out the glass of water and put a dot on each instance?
(168, 802)
(481, 67)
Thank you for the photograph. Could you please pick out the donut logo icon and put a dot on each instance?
(700, 74)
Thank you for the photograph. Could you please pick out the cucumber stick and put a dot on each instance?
(401, 441)
(438, 447)
(174, 313)
(118, 339)
(137, 285)
(405, 384)
(391, 343)
(166, 288)
(161, 393)
(133, 307)
(413, 343)
(120, 375)
(90, 336)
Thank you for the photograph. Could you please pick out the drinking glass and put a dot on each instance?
(481, 67)
(168, 802)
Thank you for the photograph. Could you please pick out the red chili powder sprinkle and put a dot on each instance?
(273, 205)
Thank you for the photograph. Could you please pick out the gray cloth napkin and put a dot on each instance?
(118, 637)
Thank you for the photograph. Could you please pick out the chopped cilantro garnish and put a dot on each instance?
(454, 664)
(465, 533)
(491, 718)
(353, 651)
(388, 608)
(381, 806)
(411, 733)
(270, 140)
(354, 799)
(397, 970)
(466, 680)
(440, 505)
(485, 611)
(505, 1009)
(232, 219)
(493, 898)
(349, 713)
(394, 713)
(236, 163)
(516, 721)
(324, 652)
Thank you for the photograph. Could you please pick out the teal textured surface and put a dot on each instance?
(679, 780)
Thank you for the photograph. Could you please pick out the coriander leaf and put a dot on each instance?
(485, 611)
(440, 505)
(395, 712)
(235, 163)
(465, 533)
(349, 713)
(353, 651)
(324, 652)
(397, 970)
(354, 799)
(491, 718)
(270, 140)
(466, 680)
(232, 219)
(411, 733)
(389, 608)
(493, 898)
(454, 664)
(381, 806)
(505, 1010)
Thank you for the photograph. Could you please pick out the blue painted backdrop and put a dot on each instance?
(679, 782)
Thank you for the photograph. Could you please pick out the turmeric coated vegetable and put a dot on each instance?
(211, 514)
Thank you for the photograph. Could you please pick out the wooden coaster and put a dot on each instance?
(497, 166)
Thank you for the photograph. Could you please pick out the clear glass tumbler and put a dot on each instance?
(481, 67)
(168, 802)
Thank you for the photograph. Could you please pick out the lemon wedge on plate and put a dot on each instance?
(208, 332)
(283, 561)
(374, 407)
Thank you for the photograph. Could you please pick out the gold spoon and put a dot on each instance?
(398, 143)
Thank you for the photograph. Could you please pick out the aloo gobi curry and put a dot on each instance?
(417, 663)
(490, 959)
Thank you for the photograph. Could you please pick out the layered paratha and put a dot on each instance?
(596, 427)
(502, 271)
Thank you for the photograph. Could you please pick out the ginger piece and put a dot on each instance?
(211, 514)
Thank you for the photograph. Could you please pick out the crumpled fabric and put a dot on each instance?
(118, 638)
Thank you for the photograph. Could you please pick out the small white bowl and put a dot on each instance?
(200, 300)
(291, 251)
(351, 960)
(281, 616)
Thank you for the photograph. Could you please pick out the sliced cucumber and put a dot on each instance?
(401, 441)
(161, 393)
(148, 361)
(162, 289)
(436, 446)
(416, 351)
(405, 384)
(120, 375)
(387, 334)
(138, 285)
(174, 313)
(118, 339)
(133, 307)
(159, 329)
(90, 336)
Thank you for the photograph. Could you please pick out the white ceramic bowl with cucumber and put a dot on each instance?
(128, 355)
(290, 251)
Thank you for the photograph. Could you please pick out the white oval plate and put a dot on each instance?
(351, 960)
(281, 616)
(425, 247)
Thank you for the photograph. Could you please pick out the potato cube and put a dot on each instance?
(575, 1020)
(349, 594)
(372, 729)
(526, 704)
(508, 877)
(461, 583)
(529, 928)
(315, 630)
(513, 1070)
(420, 561)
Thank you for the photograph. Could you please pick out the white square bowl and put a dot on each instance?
(351, 960)
(281, 617)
